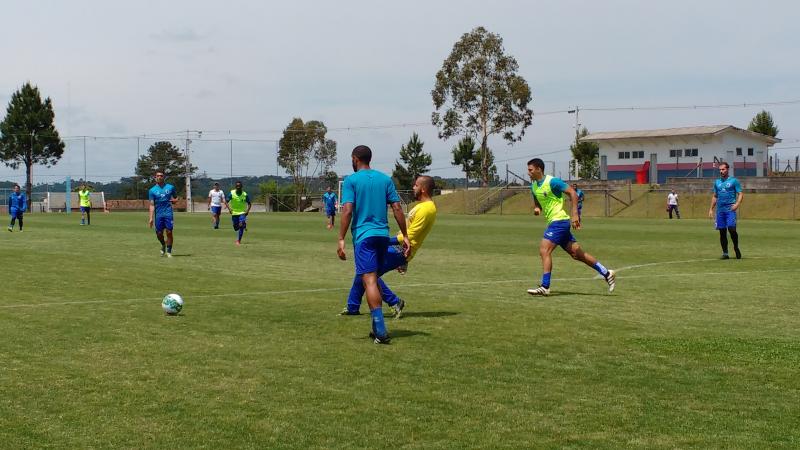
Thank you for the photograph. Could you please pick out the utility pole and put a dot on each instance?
(84, 159)
(189, 204)
(576, 111)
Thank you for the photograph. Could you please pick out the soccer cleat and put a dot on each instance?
(398, 308)
(611, 279)
(10, 230)
(541, 290)
(238, 243)
(169, 254)
(738, 253)
(379, 339)
(724, 256)
(402, 269)
(347, 312)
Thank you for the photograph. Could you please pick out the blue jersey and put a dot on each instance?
(369, 191)
(17, 201)
(329, 198)
(160, 196)
(580, 197)
(726, 191)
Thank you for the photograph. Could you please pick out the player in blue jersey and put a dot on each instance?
(581, 196)
(727, 196)
(365, 195)
(329, 200)
(162, 196)
(17, 204)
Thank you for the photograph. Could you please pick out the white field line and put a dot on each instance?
(412, 285)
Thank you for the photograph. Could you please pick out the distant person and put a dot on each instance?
(420, 222)
(84, 194)
(330, 202)
(162, 196)
(580, 198)
(727, 196)
(365, 195)
(17, 205)
(216, 198)
(672, 204)
(548, 196)
(239, 205)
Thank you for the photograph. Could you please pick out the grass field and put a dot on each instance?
(690, 351)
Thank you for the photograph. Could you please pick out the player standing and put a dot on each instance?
(330, 201)
(84, 194)
(365, 195)
(17, 204)
(727, 197)
(548, 196)
(216, 198)
(162, 196)
(420, 222)
(239, 206)
(580, 198)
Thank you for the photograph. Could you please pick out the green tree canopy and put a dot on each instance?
(415, 162)
(164, 157)
(478, 92)
(586, 155)
(28, 134)
(465, 156)
(303, 151)
(762, 123)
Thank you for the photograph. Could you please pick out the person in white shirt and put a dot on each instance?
(672, 204)
(216, 199)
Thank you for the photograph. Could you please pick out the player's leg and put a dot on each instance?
(731, 226)
(83, 215)
(242, 226)
(354, 298)
(721, 225)
(160, 236)
(577, 253)
(370, 255)
(546, 248)
(669, 210)
(13, 214)
(19, 220)
(88, 215)
(168, 225)
(677, 212)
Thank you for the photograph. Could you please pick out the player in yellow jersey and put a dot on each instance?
(420, 222)
(86, 204)
(238, 203)
(548, 196)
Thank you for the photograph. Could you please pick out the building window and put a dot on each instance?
(749, 152)
(690, 152)
(624, 155)
(638, 155)
(738, 151)
(675, 153)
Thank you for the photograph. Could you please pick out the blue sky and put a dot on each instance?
(119, 69)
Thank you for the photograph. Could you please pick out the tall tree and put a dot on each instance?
(479, 92)
(415, 162)
(762, 123)
(586, 155)
(164, 157)
(464, 155)
(303, 151)
(28, 135)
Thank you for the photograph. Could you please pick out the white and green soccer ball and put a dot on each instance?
(172, 304)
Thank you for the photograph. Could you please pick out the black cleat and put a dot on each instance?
(380, 340)
(738, 253)
(347, 312)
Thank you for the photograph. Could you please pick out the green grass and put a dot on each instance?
(690, 351)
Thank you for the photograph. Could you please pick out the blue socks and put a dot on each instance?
(546, 280)
(378, 326)
(169, 249)
(600, 269)
(241, 233)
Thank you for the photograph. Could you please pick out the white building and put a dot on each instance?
(650, 156)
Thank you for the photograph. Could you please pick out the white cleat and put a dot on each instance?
(611, 279)
(541, 290)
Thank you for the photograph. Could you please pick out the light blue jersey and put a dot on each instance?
(160, 196)
(369, 191)
(726, 191)
(580, 198)
(329, 198)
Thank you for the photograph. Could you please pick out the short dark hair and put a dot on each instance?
(15, 185)
(427, 183)
(216, 184)
(723, 163)
(536, 162)
(363, 154)
(237, 182)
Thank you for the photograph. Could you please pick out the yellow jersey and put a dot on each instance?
(420, 221)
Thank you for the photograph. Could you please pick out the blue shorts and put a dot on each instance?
(330, 212)
(370, 254)
(163, 223)
(725, 219)
(558, 232)
(394, 259)
(16, 213)
(216, 210)
(239, 221)
(85, 209)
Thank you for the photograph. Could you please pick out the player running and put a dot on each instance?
(365, 195)
(330, 201)
(216, 198)
(17, 204)
(84, 194)
(420, 222)
(239, 206)
(727, 197)
(548, 196)
(162, 196)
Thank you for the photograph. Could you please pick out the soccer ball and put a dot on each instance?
(172, 304)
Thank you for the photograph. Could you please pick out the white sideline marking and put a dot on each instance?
(454, 283)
